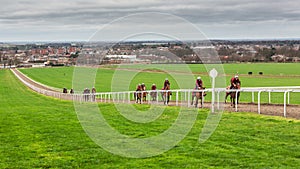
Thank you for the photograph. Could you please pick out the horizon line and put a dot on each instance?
(148, 40)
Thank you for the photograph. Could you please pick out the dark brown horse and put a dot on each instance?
(233, 94)
(166, 95)
(153, 95)
(144, 94)
(138, 96)
(65, 90)
(199, 96)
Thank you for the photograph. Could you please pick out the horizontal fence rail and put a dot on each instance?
(178, 97)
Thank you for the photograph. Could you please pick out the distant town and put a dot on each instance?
(68, 54)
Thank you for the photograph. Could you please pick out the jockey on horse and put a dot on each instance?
(166, 95)
(143, 86)
(144, 94)
(199, 83)
(153, 87)
(137, 94)
(139, 87)
(198, 86)
(153, 92)
(166, 83)
(234, 82)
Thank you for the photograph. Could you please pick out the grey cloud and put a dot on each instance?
(196, 11)
(65, 14)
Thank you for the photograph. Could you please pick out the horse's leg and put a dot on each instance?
(162, 97)
(233, 100)
(226, 96)
(192, 99)
(196, 102)
(168, 99)
(201, 101)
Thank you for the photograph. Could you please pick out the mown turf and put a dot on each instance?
(289, 76)
(41, 132)
(275, 74)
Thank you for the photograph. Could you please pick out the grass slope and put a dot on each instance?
(41, 132)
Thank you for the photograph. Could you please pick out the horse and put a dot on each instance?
(166, 95)
(233, 94)
(138, 96)
(153, 95)
(227, 93)
(198, 96)
(65, 90)
(144, 94)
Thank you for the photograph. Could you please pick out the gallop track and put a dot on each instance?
(292, 111)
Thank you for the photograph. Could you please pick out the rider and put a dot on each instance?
(199, 83)
(143, 86)
(234, 81)
(153, 87)
(153, 93)
(166, 83)
(139, 87)
(93, 90)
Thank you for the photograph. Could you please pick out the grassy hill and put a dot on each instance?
(42, 132)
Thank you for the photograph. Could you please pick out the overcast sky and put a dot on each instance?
(69, 20)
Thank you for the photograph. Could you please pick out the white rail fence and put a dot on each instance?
(181, 97)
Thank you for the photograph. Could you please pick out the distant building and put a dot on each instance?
(130, 58)
(278, 58)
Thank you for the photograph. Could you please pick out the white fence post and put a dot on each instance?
(128, 97)
(236, 100)
(284, 103)
(218, 100)
(188, 98)
(177, 98)
(269, 97)
(288, 101)
(157, 97)
(258, 101)
(202, 102)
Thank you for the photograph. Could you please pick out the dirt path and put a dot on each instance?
(30, 81)
(292, 111)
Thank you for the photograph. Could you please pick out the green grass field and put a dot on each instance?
(275, 74)
(287, 74)
(42, 132)
(230, 69)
